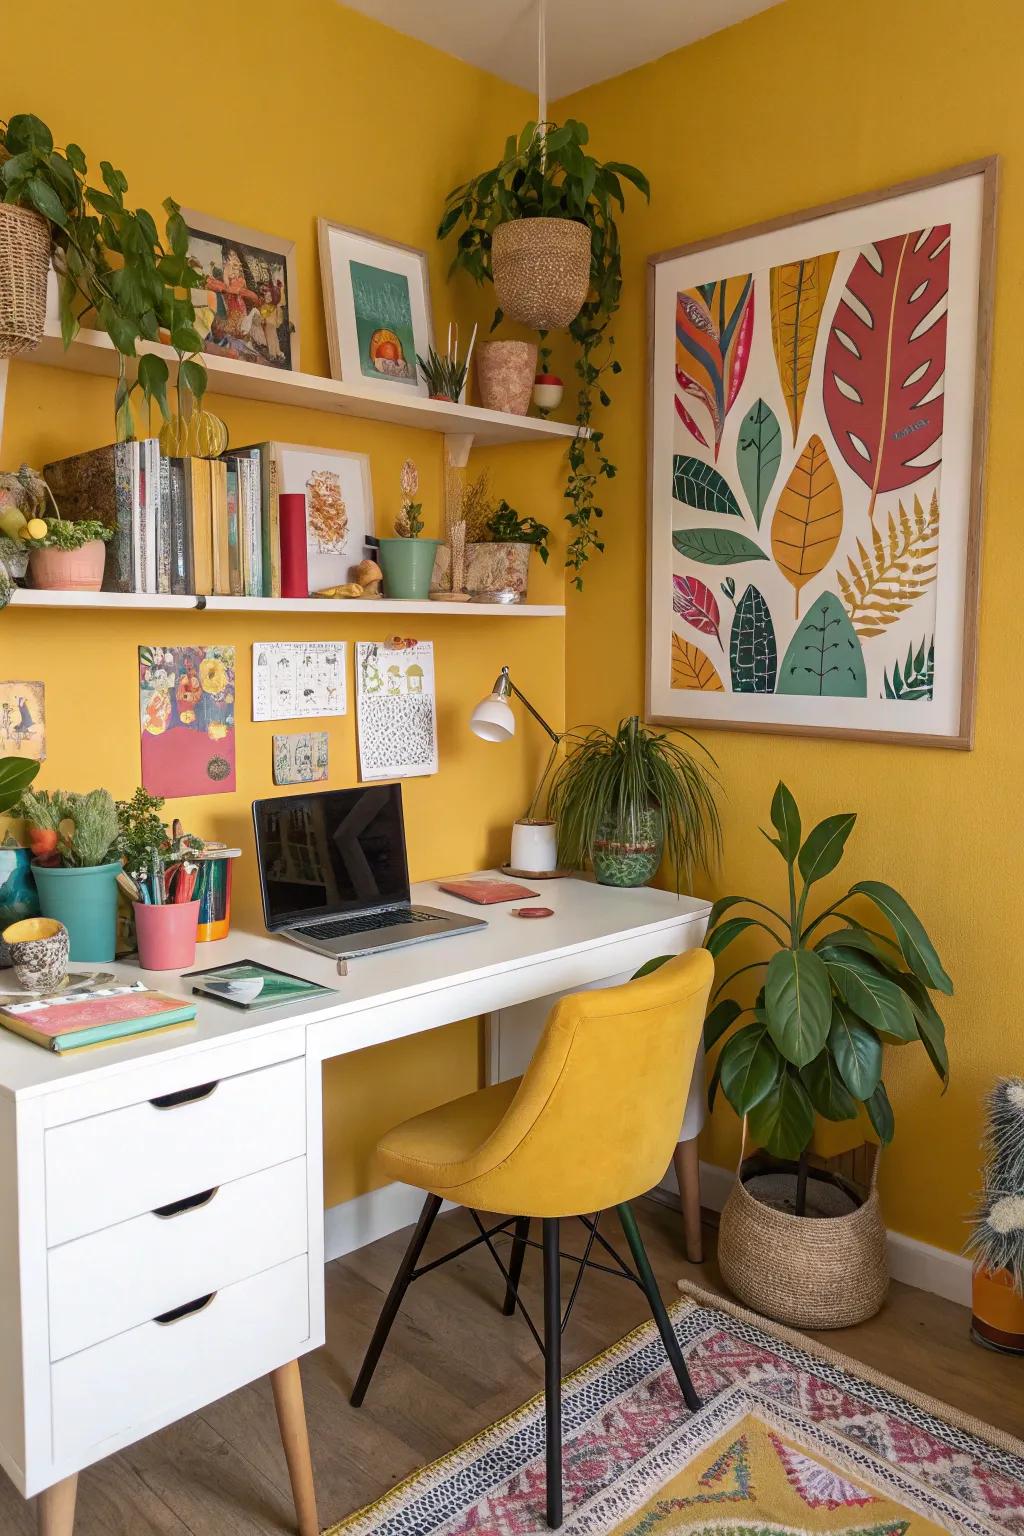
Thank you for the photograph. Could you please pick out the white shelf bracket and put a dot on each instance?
(4, 366)
(457, 447)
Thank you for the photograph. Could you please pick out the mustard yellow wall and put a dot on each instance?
(304, 111)
(807, 102)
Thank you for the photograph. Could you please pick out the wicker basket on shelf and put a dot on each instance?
(541, 270)
(24, 267)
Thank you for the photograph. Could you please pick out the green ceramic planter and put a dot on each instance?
(408, 565)
(629, 856)
(85, 901)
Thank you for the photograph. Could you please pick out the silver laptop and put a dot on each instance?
(334, 875)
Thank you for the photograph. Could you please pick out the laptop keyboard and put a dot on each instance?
(340, 927)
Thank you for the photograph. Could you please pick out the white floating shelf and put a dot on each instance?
(93, 352)
(344, 607)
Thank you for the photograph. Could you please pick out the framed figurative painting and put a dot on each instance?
(377, 297)
(252, 291)
(817, 435)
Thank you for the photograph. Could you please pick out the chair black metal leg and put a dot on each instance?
(515, 1264)
(661, 1317)
(396, 1296)
(553, 1372)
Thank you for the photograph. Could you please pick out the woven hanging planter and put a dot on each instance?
(807, 1271)
(24, 268)
(541, 270)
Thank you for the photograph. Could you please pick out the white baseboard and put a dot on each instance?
(378, 1213)
(910, 1261)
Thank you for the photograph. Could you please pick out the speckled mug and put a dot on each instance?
(39, 952)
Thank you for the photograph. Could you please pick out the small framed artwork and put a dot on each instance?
(339, 508)
(252, 291)
(819, 390)
(377, 298)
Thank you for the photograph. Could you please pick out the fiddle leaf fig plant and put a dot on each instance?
(547, 173)
(836, 991)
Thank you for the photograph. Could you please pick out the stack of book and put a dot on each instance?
(92, 1015)
(181, 525)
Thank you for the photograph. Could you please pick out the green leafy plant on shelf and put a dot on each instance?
(61, 534)
(547, 173)
(445, 377)
(505, 526)
(836, 992)
(114, 268)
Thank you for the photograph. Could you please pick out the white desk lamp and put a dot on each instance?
(534, 843)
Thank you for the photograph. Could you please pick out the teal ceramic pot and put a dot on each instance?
(408, 565)
(85, 901)
(629, 856)
(18, 898)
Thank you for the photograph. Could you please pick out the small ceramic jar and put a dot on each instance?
(39, 952)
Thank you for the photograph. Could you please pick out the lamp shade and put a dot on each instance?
(493, 720)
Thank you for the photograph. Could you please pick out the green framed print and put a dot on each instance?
(377, 301)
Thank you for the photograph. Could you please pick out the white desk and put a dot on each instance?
(92, 1261)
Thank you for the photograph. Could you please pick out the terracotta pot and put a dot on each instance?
(541, 270)
(997, 1311)
(69, 570)
(504, 371)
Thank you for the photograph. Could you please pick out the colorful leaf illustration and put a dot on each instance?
(917, 678)
(758, 451)
(808, 518)
(824, 657)
(714, 323)
(753, 657)
(883, 584)
(885, 360)
(716, 546)
(692, 669)
(700, 485)
(695, 603)
(798, 291)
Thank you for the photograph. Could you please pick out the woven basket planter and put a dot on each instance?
(24, 268)
(807, 1271)
(541, 270)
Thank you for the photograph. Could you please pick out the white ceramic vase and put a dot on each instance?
(534, 847)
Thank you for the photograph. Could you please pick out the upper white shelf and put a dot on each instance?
(346, 607)
(93, 352)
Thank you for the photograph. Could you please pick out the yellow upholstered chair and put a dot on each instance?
(592, 1124)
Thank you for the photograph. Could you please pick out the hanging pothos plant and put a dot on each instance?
(546, 173)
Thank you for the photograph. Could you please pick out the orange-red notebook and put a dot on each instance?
(485, 892)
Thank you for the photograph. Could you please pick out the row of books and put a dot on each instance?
(181, 525)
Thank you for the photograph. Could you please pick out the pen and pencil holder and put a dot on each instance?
(166, 933)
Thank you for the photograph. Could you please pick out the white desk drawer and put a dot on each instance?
(153, 1375)
(113, 1166)
(112, 1280)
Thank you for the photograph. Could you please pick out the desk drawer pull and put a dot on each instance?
(183, 1096)
(189, 1203)
(190, 1308)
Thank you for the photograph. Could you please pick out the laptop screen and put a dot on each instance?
(332, 853)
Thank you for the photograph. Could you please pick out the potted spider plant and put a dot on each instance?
(622, 798)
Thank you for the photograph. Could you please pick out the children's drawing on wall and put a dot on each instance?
(22, 720)
(396, 709)
(301, 758)
(298, 679)
(187, 716)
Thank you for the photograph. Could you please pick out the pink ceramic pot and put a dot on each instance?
(166, 934)
(69, 570)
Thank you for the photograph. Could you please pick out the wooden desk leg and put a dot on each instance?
(291, 1416)
(56, 1508)
(686, 1159)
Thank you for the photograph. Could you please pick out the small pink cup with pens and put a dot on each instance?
(166, 934)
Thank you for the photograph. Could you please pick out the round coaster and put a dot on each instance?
(533, 912)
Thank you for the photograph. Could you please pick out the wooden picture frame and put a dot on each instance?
(256, 313)
(375, 331)
(840, 487)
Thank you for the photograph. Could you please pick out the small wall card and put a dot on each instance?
(396, 709)
(187, 718)
(301, 758)
(298, 680)
(22, 720)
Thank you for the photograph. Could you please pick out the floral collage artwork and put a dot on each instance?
(187, 717)
(812, 454)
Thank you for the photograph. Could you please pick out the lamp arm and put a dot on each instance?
(505, 685)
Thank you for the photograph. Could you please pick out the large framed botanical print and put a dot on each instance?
(817, 436)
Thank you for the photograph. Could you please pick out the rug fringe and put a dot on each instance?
(697, 1296)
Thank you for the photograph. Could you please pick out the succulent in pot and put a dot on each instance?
(64, 555)
(76, 865)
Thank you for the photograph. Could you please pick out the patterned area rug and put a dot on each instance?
(792, 1440)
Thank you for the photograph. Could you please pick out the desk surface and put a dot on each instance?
(586, 915)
